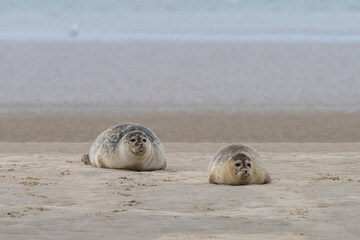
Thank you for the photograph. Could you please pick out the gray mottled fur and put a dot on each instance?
(106, 145)
(219, 166)
(110, 138)
(232, 149)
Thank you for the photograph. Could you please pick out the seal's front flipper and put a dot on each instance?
(267, 178)
(86, 159)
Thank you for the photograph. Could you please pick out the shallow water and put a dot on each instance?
(180, 56)
(187, 20)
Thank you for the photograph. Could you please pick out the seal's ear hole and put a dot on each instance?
(132, 140)
(249, 165)
(238, 164)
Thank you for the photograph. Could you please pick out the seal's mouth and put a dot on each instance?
(244, 174)
(138, 150)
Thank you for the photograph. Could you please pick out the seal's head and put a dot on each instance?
(137, 143)
(237, 164)
(242, 166)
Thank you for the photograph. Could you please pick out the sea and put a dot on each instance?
(172, 55)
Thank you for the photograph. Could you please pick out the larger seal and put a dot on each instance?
(237, 164)
(127, 146)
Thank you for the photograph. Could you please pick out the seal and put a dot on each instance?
(127, 146)
(237, 164)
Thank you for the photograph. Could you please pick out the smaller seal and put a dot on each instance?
(237, 164)
(127, 146)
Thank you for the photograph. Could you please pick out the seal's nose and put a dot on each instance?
(141, 145)
(245, 171)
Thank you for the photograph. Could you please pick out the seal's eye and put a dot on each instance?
(132, 140)
(237, 164)
(249, 165)
(144, 140)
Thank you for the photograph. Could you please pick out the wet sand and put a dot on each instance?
(217, 76)
(185, 127)
(46, 193)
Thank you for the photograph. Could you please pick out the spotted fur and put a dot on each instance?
(237, 164)
(113, 149)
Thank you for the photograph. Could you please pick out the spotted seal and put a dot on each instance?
(127, 146)
(237, 164)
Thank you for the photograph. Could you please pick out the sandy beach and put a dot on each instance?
(313, 158)
(296, 103)
(47, 193)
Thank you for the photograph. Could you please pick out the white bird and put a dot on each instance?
(74, 31)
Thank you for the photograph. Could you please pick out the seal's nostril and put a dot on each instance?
(246, 171)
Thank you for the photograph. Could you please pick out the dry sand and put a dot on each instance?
(46, 193)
